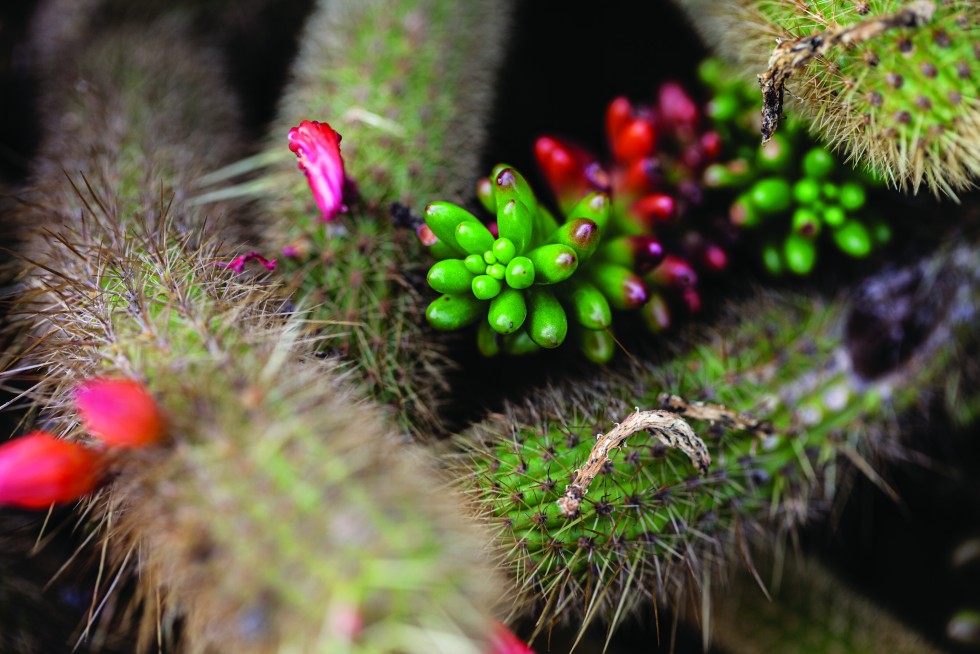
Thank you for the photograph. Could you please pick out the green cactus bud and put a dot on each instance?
(818, 163)
(443, 217)
(507, 311)
(622, 287)
(772, 259)
(580, 234)
(776, 155)
(853, 239)
(852, 196)
(485, 287)
(504, 249)
(597, 345)
(723, 107)
(656, 313)
(487, 340)
(450, 276)
(771, 195)
(806, 191)
(553, 263)
(800, 254)
(743, 212)
(474, 237)
(450, 312)
(497, 271)
(547, 322)
(520, 343)
(484, 193)
(806, 222)
(475, 264)
(515, 223)
(589, 306)
(834, 216)
(519, 273)
(595, 207)
(510, 185)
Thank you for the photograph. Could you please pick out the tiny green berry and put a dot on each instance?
(772, 259)
(497, 270)
(771, 195)
(489, 258)
(853, 239)
(485, 287)
(801, 254)
(852, 196)
(519, 273)
(818, 163)
(806, 222)
(475, 264)
(806, 191)
(830, 190)
(834, 216)
(504, 250)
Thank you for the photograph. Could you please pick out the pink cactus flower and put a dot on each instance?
(505, 642)
(119, 412)
(318, 147)
(238, 263)
(40, 469)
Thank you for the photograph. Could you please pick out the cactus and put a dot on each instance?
(894, 84)
(811, 610)
(372, 70)
(649, 526)
(276, 514)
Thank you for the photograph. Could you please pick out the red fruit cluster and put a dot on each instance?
(40, 469)
(658, 155)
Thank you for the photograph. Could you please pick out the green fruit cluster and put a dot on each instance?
(521, 286)
(794, 191)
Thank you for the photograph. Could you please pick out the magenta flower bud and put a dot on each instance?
(119, 412)
(40, 469)
(677, 109)
(317, 146)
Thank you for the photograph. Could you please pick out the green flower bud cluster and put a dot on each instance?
(520, 286)
(798, 192)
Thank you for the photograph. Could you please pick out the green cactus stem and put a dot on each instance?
(793, 386)
(810, 610)
(278, 513)
(409, 90)
(895, 85)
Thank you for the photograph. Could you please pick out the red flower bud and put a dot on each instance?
(119, 412)
(656, 208)
(39, 469)
(636, 140)
(674, 272)
(568, 168)
(238, 263)
(505, 642)
(618, 116)
(318, 147)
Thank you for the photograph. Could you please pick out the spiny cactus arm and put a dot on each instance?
(901, 102)
(408, 85)
(276, 514)
(811, 610)
(650, 528)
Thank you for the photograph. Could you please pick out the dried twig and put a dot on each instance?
(796, 53)
(714, 413)
(667, 427)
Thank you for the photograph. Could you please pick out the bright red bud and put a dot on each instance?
(318, 147)
(119, 412)
(618, 116)
(568, 169)
(505, 642)
(656, 208)
(39, 469)
(711, 145)
(634, 141)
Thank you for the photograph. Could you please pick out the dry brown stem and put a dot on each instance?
(665, 426)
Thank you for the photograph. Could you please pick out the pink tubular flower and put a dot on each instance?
(238, 263)
(505, 642)
(39, 469)
(318, 147)
(119, 412)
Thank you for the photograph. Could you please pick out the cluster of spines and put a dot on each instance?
(649, 526)
(903, 102)
(276, 515)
